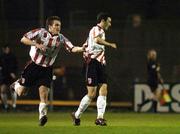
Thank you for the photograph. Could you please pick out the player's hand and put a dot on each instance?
(41, 47)
(113, 45)
(84, 46)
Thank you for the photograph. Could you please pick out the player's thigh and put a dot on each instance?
(30, 75)
(103, 90)
(45, 77)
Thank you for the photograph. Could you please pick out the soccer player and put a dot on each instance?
(154, 79)
(45, 45)
(8, 64)
(94, 69)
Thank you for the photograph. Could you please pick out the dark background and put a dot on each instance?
(127, 64)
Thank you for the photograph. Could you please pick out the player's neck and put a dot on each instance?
(53, 34)
(100, 25)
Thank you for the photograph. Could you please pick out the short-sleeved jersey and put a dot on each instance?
(94, 50)
(53, 43)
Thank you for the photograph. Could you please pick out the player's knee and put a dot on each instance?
(43, 90)
(92, 95)
(103, 92)
(20, 93)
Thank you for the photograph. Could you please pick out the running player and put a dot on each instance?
(45, 45)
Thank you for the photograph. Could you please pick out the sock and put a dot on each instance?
(83, 106)
(101, 106)
(154, 106)
(42, 110)
(14, 98)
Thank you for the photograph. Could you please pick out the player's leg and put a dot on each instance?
(4, 97)
(91, 82)
(44, 83)
(43, 93)
(86, 100)
(150, 98)
(27, 79)
(101, 105)
(101, 100)
(144, 102)
(157, 94)
(18, 88)
(14, 99)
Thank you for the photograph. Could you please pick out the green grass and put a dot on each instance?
(118, 123)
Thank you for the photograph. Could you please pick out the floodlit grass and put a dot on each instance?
(118, 123)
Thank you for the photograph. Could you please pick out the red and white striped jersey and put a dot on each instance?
(94, 50)
(53, 43)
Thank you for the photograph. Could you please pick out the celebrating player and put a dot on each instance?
(94, 69)
(45, 45)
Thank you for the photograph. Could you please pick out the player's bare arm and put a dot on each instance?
(29, 42)
(103, 42)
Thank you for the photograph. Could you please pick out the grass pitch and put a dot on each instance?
(118, 123)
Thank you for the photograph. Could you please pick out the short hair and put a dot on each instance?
(102, 16)
(49, 20)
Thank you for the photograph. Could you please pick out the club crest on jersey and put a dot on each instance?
(45, 35)
(89, 80)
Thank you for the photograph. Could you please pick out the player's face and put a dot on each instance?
(55, 28)
(107, 23)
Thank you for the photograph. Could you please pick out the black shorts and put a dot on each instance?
(35, 75)
(95, 73)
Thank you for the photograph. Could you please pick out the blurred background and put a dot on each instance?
(137, 25)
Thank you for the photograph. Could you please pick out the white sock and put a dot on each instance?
(83, 106)
(14, 98)
(42, 109)
(101, 106)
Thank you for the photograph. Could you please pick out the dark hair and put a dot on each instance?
(49, 20)
(102, 16)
